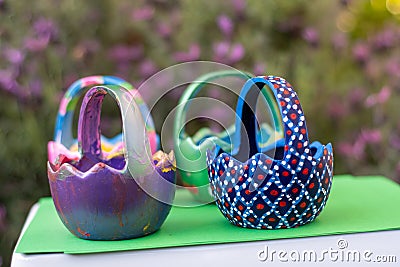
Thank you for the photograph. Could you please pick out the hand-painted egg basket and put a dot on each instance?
(190, 151)
(103, 196)
(286, 188)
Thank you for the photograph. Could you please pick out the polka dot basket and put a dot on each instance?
(284, 187)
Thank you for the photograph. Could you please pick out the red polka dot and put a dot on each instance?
(305, 171)
(276, 86)
(295, 190)
(320, 165)
(282, 203)
(226, 158)
(260, 177)
(303, 205)
(288, 132)
(311, 186)
(245, 167)
(286, 92)
(325, 152)
(271, 220)
(229, 189)
(259, 206)
(238, 218)
(326, 180)
(293, 116)
(240, 207)
(221, 172)
(268, 161)
(283, 103)
(247, 192)
(285, 173)
(288, 84)
(251, 219)
(319, 200)
(274, 193)
(292, 219)
(294, 161)
(308, 215)
(303, 131)
(286, 147)
(240, 179)
(299, 145)
(233, 171)
(296, 101)
(226, 204)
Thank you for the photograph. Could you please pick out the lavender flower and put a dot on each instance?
(393, 68)
(310, 35)
(192, 54)
(14, 56)
(237, 53)
(144, 13)
(147, 68)
(384, 40)
(125, 53)
(164, 30)
(34, 44)
(225, 24)
(259, 69)
(45, 28)
(361, 52)
(371, 136)
(227, 53)
(239, 6)
(379, 98)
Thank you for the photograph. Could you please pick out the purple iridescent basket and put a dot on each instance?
(106, 196)
(285, 187)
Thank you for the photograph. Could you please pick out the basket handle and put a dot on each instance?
(291, 112)
(137, 148)
(63, 128)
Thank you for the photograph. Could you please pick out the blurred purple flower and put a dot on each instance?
(14, 56)
(310, 35)
(361, 52)
(259, 69)
(337, 109)
(239, 6)
(356, 96)
(354, 150)
(8, 83)
(35, 87)
(147, 68)
(36, 44)
(125, 53)
(225, 24)
(384, 40)
(237, 53)
(227, 53)
(164, 30)
(394, 141)
(45, 28)
(371, 136)
(380, 98)
(192, 54)
(393, 68)
(144, 13)
(221, 49)
(339, 41)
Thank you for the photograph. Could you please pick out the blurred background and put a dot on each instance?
(343, 58)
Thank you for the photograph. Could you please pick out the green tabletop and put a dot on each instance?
(356, 204)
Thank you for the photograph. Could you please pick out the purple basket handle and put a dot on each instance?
(137, 147)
